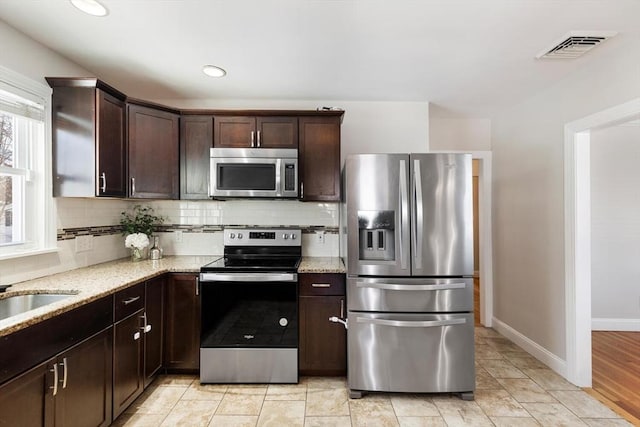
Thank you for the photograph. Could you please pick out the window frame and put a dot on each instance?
(40, 218)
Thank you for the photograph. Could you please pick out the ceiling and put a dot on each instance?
(467, 57)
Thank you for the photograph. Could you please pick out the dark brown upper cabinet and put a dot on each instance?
(196, 139)
(153, 136)
(255, 132)
(319, 158)
(89, 144)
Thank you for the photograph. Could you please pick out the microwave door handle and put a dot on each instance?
(279, 175)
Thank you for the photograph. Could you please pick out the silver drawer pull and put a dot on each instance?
(402, 287)
(55, 378)
(64, 372)
(136, 336)
(321, 285)
(130, 300)
(410, 323)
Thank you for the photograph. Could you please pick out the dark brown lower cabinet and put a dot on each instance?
(323, 344)
(128, 381)
(153, 328)
(182, 323)
(71, 389)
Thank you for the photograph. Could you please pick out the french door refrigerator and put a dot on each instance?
(410, 273)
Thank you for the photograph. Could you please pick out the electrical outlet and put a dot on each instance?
(320, 237)
(84, 243)
(177, 236)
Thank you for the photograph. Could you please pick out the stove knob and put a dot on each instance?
(232, 235)
(285, 236)
(293, 236)
(239, 235)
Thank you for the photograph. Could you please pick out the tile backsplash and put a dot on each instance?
(190, 228)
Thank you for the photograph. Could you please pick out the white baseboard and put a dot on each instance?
(627, 325)
(536, 350)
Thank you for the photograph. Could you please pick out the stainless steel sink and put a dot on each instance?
(18, 304)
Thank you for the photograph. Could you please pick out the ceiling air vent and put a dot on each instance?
(575, 44)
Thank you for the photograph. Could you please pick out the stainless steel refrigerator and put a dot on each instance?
(410, 273)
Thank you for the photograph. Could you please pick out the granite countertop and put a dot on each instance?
(94, 282)
(91, 283)
(321, 265)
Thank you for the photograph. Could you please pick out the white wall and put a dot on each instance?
(459, 134)
(615, 226)
(528, 211)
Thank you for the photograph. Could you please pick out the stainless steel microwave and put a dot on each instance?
(254, 172)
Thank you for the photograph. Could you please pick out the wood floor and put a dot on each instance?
(616, 368)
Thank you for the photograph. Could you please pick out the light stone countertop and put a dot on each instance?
(91, 283)
(321, 265)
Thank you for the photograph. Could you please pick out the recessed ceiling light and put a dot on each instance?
(92, 7)
(213, 71)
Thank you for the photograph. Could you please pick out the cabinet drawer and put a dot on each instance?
(322, 284)
(128, 301)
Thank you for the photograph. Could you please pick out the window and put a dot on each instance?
(26, 207)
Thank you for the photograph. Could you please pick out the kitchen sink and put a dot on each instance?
(18, 304)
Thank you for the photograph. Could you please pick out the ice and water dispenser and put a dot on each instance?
(377, 235)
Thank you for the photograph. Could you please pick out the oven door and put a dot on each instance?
(249, 328)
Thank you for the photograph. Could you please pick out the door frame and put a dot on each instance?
(577, 242)
(485, 232)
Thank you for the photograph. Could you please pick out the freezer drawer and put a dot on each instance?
(411, 352)
(410, 295)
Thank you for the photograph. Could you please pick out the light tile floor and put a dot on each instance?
(513, 389)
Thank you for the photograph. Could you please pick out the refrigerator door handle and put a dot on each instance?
(411, 323)
(418, 230)
(402, 287)
(404, 211)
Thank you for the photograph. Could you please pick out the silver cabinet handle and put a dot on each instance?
(404, 287)
(136, 336)
(103, 177)
(55, 378)
(64, 372)
(133, 186)
(419, 228)
(258, 139)
(131, 300)
(252, 138)
(146, 327)
(342, 308)
(197, 286)
(302, 190)
(411, 323)
(321, 285)
(404, 211)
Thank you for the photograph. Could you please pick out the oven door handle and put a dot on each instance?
(247, 277)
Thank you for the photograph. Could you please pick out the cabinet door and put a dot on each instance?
(319, 158)
(111, 148)
(153, 153)
(182, 323)
(323, 344)
(27, 399)
(153, 328)
(196, 139)
(277, 132)
(234, 131)
(85, 371)
(127, 362)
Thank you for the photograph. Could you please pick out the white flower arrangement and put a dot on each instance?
(137, 241)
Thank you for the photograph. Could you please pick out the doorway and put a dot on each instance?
(578, 236)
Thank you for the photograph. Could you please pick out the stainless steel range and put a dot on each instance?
(249, 301)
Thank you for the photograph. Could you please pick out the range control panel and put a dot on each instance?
(262, 237)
